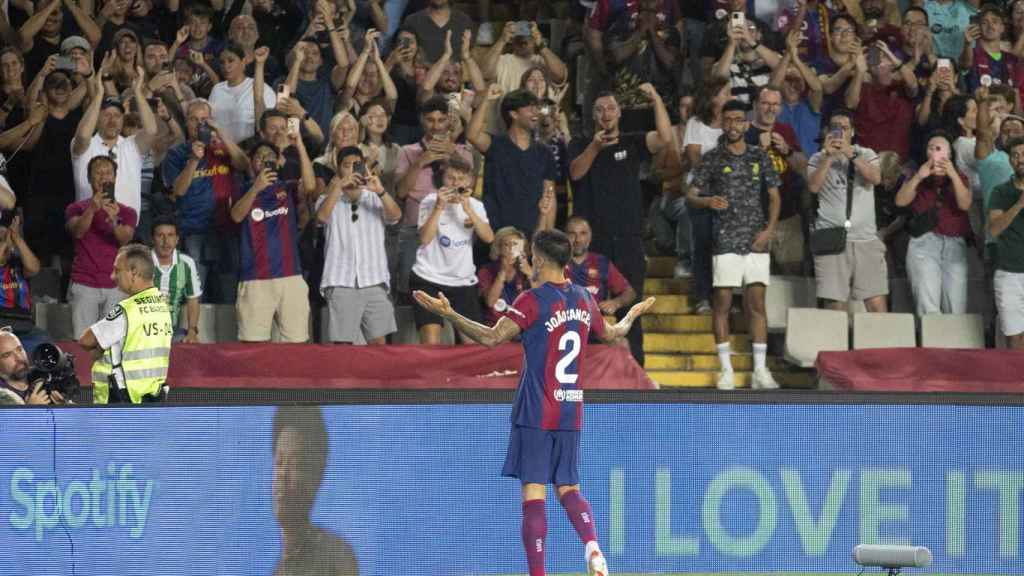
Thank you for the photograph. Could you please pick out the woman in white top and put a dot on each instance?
(702, 133)
(232, 102)
(448, 222)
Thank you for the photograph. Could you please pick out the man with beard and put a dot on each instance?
(519, 181)
(594, 271)
(729, 180)
(605, 174)
(14, 369)
(300, 457)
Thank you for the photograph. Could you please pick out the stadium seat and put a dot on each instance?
(810, 330)
(952, 331)
(883, 330)
(783, 293)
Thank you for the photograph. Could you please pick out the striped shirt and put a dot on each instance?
(15, 299)
(354, 253)
(177, 282)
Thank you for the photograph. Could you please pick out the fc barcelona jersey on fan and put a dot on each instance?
(598, 275)
(270, 234)
(556, 320)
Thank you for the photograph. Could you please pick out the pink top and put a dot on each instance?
(96, 250)
(407, 157)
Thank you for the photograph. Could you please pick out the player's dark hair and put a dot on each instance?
(139, 258)
(516, 100)
(553, 245)
(308, 423)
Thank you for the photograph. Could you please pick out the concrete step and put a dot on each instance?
(656, 286)
(671, 304)
(691, 343)
(660, 266)
(688, 323)
(708, 362)
(680, 379)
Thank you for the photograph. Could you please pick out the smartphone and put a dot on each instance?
(836, 133)
(270, 165)
(975, 20)
(944, 63)
(65, 63)
(204, 133)
(359, 168)
(284, 92)
(293, 126)
(523, 28)
(405, 42)
(738, 20)
(545, 110)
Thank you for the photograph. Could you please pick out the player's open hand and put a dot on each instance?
(641, 308)
(440, 305)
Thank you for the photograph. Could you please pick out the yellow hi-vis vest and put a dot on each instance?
(140, 361)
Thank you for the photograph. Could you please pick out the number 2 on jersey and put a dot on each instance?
(570, 344)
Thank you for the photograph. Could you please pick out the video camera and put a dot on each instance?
(55, 368)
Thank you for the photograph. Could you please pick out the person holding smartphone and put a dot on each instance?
(939, 198)
(354, 210)
(449, 221)
(506, 276)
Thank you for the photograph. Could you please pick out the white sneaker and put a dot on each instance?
(681, 271)
(596, 564)
(703, 308)
(763, 380)
(726, 381)
(485, 34)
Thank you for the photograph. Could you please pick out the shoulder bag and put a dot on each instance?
(829, 241)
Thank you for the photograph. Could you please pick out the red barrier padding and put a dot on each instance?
(924, 370)
(311, 366)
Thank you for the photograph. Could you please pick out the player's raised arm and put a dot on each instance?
(503, 331)
(621, 328)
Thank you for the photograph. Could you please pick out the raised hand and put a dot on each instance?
(718, 203)
(261, 55)
(183, 34)
(494, 93)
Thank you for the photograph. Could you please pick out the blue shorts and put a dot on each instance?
(543, 456)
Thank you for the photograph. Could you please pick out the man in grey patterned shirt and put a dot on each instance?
(732, 180)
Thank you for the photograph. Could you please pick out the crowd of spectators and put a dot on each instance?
(289, 155)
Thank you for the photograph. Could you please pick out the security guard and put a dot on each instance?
(132, 344)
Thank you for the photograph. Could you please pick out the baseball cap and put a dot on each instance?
(111, 101)
(72, 42)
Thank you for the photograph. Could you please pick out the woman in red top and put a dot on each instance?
(939, 198)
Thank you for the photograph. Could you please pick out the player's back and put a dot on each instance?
(555, 320)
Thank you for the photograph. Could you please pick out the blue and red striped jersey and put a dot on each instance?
(15, 298)
(556, 321)
(598, 275)
(270, 234)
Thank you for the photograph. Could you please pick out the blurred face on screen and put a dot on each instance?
(294, 486)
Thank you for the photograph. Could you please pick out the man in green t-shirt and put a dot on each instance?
(177, 278)
(1007, 228)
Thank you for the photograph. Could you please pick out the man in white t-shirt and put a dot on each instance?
(99, 134)
(449, 219)
(233, 107)
(353, 211)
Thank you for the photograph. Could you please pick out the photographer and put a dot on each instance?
(354, 210)
(17, 265)
(448, 222)
(132, 344)
(15, 372)
(508, 274)
(201, 176)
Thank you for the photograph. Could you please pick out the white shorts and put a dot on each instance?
(1009, 289)
(736, 270)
